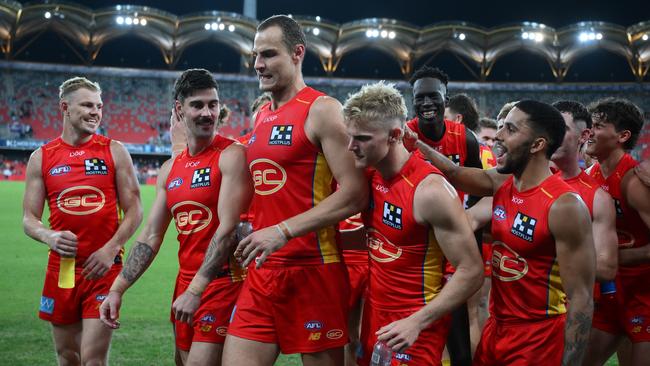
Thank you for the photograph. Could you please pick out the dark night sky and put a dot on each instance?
(519, 66)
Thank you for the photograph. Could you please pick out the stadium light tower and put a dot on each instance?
(250, 10)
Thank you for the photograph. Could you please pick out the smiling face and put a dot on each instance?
(429, 98)
(603, 138)
(82, 109)
(513, 143)
(200, 111)
(275, 65)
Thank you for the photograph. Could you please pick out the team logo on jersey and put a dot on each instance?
(619, 209)
(95, 166)
(47, 305)
(208, 318)
(281, 135)
(455, 158)
(507, 265)
(100, 298)
(334, 334)
(191, 217)
(402, 357)
(499, 213)
(381, 249)
(175, 183)
(60, 170)
(313, 325)
(392, 216)
(201, 178)
(81, 200)
(268, 176)
(637, 320)
(222, 331)
(523, 227)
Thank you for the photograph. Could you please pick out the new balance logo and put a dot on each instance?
(201, 178)
(281, 135)
(392, 216)
(95, 166)
(524, 227)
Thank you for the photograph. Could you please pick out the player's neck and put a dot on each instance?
(282, 97)
(73, 137)
(393, 162)
(196, 145)
(433, 130)
(535, 172)
(609, 163)
(569, 167)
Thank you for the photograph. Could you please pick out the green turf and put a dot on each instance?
(145, 337)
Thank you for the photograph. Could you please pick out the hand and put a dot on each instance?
(400, 334)
(642, 170)
(410, 139)
(109, 310)
(63, 242)
(98, 264)
(259, 245)
(185, 306)
(177, 132)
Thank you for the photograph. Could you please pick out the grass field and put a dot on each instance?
(145, 337)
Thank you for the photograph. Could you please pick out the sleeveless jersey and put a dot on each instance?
(526, 281)
(406, 261)
(586, 187)
(192, 189)
(81, 192)
(630, 228)
(291, 176)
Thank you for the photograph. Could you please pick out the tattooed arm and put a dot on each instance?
(234, 198)
(142, 253)
(570, 225)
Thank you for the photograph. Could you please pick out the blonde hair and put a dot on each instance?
(76, 83)
(376, 102)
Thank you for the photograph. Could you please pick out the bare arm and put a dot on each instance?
(642, 170)
(480, 214)
(436, 204)
(636, 195)
(235, 194)
(324, 127)
(62, 242)
(128, 195)
(605, 239)
(570, 225)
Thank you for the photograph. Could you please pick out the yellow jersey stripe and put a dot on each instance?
(322, 186)
(432, 269)
(556, 303)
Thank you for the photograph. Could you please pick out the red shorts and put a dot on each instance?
(628, 313)
(302, 309)
(210, 322)
(427, 349)
(534, 343)
(68, 306)
(358, 274)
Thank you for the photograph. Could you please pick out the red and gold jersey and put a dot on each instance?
(630, 228)
(291, 176)
(352, 229)
(488, 161)
(406, 261)
(586, 187)
(192, 189)
(526, 282)
(81, 192)
(453, 144)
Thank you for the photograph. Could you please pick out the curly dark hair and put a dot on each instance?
(576, 109)
(623, 114)
(429, 72)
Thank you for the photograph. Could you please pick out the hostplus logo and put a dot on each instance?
(201, 178)
(281, 135)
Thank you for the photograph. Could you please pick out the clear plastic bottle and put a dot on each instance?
(244, 228)
(381, 355)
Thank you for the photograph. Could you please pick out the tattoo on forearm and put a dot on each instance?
(137, 262)
(578, 326)
(214, 257)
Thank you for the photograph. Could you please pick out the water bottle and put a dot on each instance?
(381, 355)
(244, 228)
(608, 290)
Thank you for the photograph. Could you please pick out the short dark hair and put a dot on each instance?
(292, 34)
(545, 120)
(577, 110)
(429, 72)
(486, 122)
(623, 114)
(465, 105)
(192, 80)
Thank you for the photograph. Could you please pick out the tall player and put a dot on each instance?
(87, 179)
(204, 188)
(543, 252)
(415, 218)
(294, 300)
(616, 127)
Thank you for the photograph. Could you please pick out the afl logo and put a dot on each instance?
(507, 265)
(60, 170)
(313, 325)
(191, 217)
(380, 248)
(268, 176)
(175, 183)
(81, 200)
(499, 213)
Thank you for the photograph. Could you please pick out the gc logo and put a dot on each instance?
(507, 265)
(381, 249)
(268, 176)
(81, 200)
(191, 217)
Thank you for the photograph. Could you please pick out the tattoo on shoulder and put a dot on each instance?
(137, 261)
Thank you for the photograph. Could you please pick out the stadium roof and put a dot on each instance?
(476, 47)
